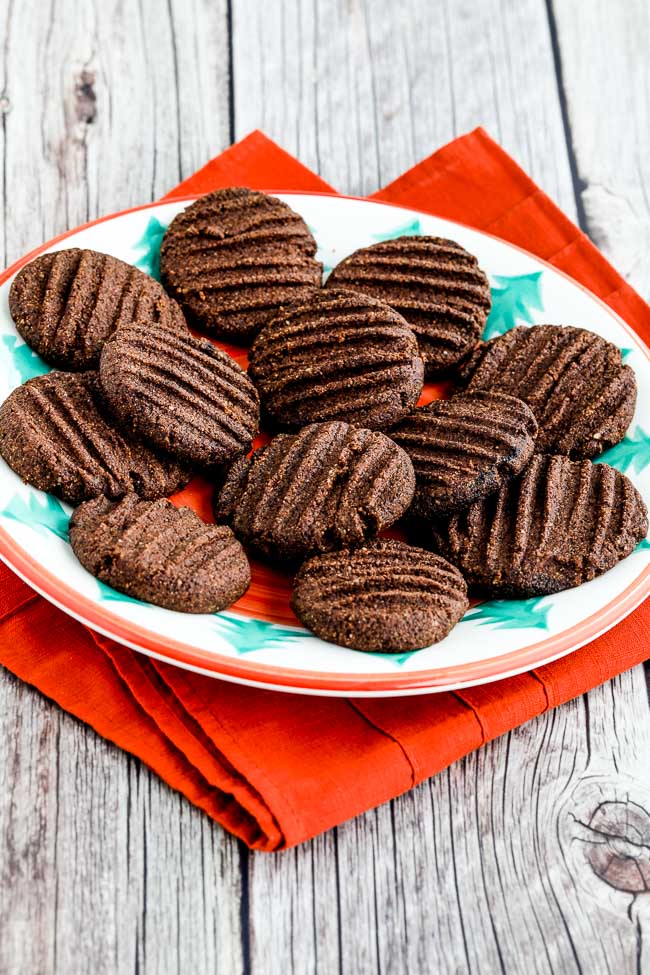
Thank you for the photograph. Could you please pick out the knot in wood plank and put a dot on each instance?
(617, 845)
(85, 97)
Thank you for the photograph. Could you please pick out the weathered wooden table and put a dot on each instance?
(491, 866)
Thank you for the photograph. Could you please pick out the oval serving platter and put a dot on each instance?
(258, 641)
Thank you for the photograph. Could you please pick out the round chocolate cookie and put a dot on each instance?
(330, 486)
(337, 356)
(464, 448)
(557, 525)
(66, 304)
(234, 257)
(181, 394)
(56, 435)
(434, 283)
(385, 596)
(574, 381)
(161, 554)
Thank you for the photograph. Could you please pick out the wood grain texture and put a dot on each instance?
(360, 90)
(466, 873)
(105, 105)
(531, 855)
(606, 83)
(102, 867)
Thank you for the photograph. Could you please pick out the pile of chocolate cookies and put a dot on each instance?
(495, 485)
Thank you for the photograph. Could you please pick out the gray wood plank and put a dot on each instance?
(136, 99)
(479, 869)
(102, 867)
(606, 79)
(361, 91)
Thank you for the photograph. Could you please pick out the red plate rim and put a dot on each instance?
(217, 665)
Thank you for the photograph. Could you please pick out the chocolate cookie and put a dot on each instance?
(464, 448)
(337, 356)
(574, 381)
(161, 554)
(385, 596)
(66, 304)
(557, 525)
(55, 434)
(234, 257)
(434, 283)
(330, 486)
(181, 394)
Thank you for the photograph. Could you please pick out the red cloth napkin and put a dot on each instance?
(276, 769)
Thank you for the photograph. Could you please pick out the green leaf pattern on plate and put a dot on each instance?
(632, 454)
(247, 635)
(243, 635)
(328, 265)
(511, 614)
(395, 658)
(148, 248)
(25, 363)
(411, 228)
(110, 595)
(41, 511)
(514, 301)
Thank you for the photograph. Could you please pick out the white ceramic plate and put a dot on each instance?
(258, 641)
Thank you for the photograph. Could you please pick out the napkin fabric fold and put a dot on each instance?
(273, 768)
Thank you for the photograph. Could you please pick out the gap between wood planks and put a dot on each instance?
(578, 184)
